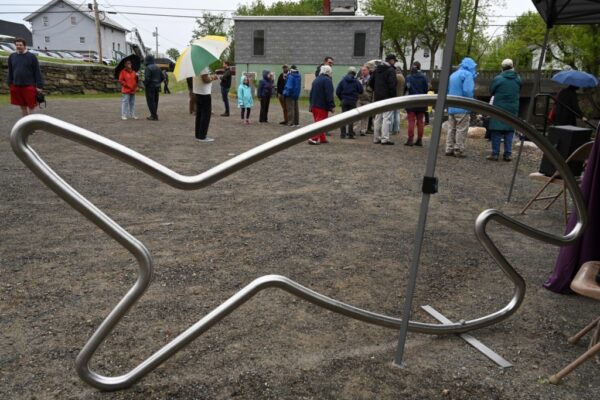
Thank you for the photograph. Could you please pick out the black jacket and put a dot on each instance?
(152, 74)
(383, 82)
(567, 107)
(226, 78)
(281, 84)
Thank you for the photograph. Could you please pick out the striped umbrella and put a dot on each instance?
(198, 55)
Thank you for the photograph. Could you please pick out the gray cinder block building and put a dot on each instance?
(268, 42)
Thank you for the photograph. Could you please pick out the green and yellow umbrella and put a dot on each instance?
(198, 55)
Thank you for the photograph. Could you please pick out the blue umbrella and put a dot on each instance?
(576, 78)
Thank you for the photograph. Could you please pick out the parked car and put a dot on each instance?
(75, 54)
(9, 45)
(6, 48)
(66, 55)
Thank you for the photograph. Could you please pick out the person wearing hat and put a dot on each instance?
(321, 101)
(347, 91)
(505, 89)
(383, 83)
(461, 83)
(291, 93)
(280, 86)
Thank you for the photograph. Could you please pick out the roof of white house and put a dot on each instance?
(82, 8)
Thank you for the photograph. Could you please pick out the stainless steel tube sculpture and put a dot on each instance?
(28, 125)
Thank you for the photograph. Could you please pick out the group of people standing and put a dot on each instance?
(382, 82)
(373, 83)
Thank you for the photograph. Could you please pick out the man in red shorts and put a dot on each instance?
(24, 77)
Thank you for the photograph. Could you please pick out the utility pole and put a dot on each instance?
(155, 34)
(98, 37)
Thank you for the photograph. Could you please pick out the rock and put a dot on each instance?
(476, 132)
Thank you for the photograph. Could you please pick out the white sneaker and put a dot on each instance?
(206, 140)
(135, 117)
(124, 118)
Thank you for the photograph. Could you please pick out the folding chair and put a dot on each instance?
(586, 284)
(579, 155)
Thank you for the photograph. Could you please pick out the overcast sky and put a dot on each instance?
(176, 32)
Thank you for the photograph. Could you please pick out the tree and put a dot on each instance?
(413, 24)
(301, 7)
(210, 24)
(173, 53)
(576, 46)
(400, 29)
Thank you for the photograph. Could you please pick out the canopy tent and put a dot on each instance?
(555, 12)
(568, 12)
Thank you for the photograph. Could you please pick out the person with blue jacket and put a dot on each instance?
(505, 89)
(291, 93)
(462, 83)
(347, 91)
(245, 100)
(264, 93)
(416, 83)
(321, 101)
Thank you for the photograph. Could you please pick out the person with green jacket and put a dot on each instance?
(505, 89)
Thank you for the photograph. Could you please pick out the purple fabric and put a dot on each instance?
(570, 258)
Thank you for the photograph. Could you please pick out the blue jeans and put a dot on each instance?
(395, 123)
(225, 95)
(497, 137)
(128, 105)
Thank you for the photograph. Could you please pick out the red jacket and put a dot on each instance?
(128, 81)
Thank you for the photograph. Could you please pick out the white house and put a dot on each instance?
(64, 25)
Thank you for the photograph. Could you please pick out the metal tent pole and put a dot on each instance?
(534, 91)
(429, 180)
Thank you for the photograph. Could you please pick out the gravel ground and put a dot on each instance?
(338, 218)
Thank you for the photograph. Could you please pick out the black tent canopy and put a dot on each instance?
(568, 12)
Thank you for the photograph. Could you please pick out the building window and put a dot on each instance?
(119, 46)
(82, 39)
(113, 45)
(258, 48)
(45, 21)
(47, 39)
(73, 20)
(360, 39)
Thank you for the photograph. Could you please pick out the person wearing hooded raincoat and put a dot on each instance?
(291, 93)
(462, 83)
(153, 77)
(245, 100)
(505, 89)
(265, 91)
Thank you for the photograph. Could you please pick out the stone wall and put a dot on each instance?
(69, 78)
